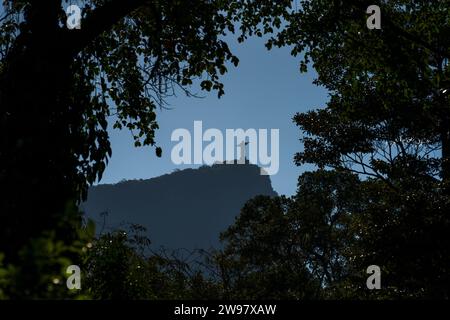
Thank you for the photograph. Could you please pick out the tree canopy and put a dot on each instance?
(387, 120)
(381, 144)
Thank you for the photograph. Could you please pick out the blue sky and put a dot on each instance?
(263, 92)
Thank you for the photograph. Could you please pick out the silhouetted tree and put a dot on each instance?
(387, 120)
(262, 258)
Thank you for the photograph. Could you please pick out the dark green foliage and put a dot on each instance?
(40, 268)
(388, 121)
(119, 265)
(382, 146)
(262, 259)
(299, 247)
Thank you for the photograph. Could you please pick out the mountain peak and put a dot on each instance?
(184, 209)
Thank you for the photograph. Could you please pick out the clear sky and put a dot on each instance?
(263, 92)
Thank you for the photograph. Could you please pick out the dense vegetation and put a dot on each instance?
(381, 146)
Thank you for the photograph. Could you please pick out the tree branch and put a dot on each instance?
(100, 20)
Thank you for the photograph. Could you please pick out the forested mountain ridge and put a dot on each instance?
(185, 209)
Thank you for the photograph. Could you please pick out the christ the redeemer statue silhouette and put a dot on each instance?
(242, 159)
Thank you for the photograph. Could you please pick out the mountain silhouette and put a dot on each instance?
(184, 209)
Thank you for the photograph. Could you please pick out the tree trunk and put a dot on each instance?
(41, 119)
(34, 130)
